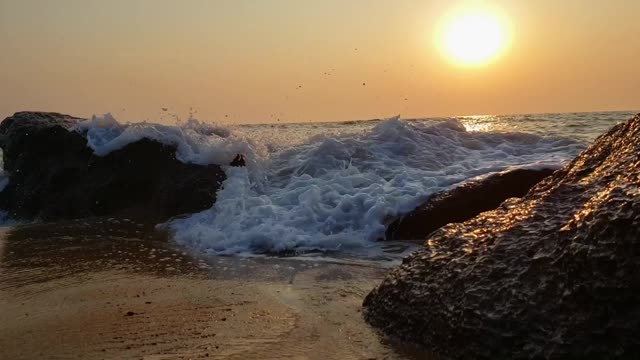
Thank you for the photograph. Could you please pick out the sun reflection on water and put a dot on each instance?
(480, 123)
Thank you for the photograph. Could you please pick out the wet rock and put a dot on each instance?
(464, 202)
(555, 274)
(238, 161)
(54, 175)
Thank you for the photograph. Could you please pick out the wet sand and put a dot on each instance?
(115, 289)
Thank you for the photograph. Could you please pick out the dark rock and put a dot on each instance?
(555, 274)
(238, 161)
(54, 175)
(464, 202)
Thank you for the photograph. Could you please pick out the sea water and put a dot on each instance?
(333, 187)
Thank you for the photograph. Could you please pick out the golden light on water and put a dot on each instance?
(480, 123)
(474, 36)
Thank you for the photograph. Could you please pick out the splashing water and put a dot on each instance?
(334, 186)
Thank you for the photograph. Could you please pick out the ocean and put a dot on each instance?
(330, 189)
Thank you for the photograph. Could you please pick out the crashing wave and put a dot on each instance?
(337, 192)
(321, 186)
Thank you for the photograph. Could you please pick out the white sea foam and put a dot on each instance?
(336, 193)
(196, 142)
(308, 188)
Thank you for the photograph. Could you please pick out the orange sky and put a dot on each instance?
(246, 60)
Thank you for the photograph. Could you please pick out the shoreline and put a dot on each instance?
(72, 291)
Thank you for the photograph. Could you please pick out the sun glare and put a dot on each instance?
(473, 37)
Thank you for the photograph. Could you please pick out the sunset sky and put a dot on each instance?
(303, 60)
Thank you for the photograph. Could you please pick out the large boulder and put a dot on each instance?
(464, 202)
(55, 175)
(555, 274)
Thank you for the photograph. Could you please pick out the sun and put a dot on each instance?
(474, 37)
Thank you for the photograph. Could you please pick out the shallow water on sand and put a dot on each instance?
(105, 288)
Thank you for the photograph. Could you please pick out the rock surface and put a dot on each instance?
(238, 161)
(555, 274)
(464, 202)
(54, 175)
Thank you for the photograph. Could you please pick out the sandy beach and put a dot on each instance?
(115, 289)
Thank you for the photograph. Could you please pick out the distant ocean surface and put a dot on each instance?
(332, 187)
